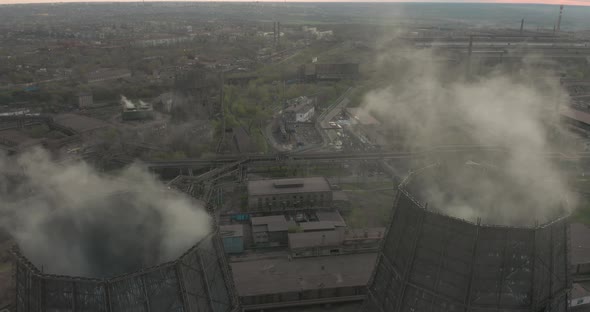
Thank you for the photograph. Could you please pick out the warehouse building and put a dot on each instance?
(284, 194)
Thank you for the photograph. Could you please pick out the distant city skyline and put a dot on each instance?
(549, 2)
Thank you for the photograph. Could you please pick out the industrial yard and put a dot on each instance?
(225, 157)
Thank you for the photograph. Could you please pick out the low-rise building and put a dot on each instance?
(300, 109)
(85, 100)
(285, 194)
(270, 230)
(317, 226)
(333, 242)
(233, 237)
(333, 217)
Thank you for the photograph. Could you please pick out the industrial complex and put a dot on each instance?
(229, 157)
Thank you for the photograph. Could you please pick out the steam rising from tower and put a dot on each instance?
(71, 220)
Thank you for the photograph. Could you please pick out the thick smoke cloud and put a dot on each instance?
(70, 219)
(426, 101)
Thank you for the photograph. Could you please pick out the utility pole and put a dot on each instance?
(521, 26)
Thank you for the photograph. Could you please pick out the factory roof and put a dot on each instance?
(580, 290)
(272, 223)
(580, 243)
(331, 216)
(279, 275)
(316, 226)
(233, 230)
(315, 239)
(575, 114)
(288, 186)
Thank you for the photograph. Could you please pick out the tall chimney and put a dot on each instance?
(559, 19)
(521, 26)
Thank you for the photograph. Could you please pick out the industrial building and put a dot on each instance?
(269, 283)
(136, 111)
(577, 118)
(300, 109)
(433, 262)
(197, 281)
(270, 230)
(284, 194)
(232, 237)
(85, 100)
(328, 72)
(337, 241)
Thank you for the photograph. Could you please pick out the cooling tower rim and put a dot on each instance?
(401, 188)
(34, 270)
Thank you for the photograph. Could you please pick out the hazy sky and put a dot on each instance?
(556, 2)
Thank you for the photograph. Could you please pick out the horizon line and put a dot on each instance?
(509, 2)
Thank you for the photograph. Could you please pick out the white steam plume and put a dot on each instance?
(427, 102)
(69, 219)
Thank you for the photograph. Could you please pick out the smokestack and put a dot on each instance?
(521, 26)
(559, 19)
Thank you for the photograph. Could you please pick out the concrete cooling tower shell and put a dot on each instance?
(199, 280)
(433, 262)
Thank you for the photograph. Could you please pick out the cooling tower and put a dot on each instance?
(430, 261)
(199, 280)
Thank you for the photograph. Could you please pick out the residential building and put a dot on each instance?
(286, 194)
